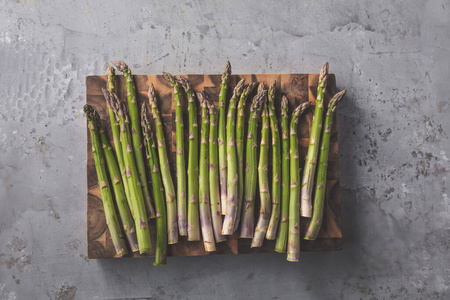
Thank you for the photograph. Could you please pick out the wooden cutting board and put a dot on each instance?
(297, 87)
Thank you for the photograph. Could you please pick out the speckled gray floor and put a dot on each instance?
(393, 58)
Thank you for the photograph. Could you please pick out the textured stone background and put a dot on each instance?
(391, 55)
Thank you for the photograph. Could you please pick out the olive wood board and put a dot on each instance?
(297, 87)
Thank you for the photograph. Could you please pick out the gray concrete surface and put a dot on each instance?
(391, 55)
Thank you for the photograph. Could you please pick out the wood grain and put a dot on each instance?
(297, 87)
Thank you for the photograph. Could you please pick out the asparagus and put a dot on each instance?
(240, 132)
(158, 191)
(319, 194)
(115, 129)
(313, 149)
(222, 137)
(276, 166)
(166, 176)
(137, 198)
(205, 213)
(193, 229)
(119, 192)
(293, 247)
(180, 161)
(280, 244)
(263, 180)
(102, 176)
(248, 214)
(136, 138)
(214, 175)
(232, 171)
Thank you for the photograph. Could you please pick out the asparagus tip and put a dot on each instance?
(323, 71)
(183, 82)
(110, 71)
(120, 65)
(261, 87)
(336, 98)
(239, 88)
(251, 86)
(169, 77)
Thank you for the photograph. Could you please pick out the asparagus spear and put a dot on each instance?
(248, 214)
(102, 176)
(180, 161)
(119, 193)
(232, 171)
(205, 213)
(137, 198)
(293, 247)
(193, 228)
(214, 174)
(319, 194)
(115, 129)
(158, 190)
(135, 121)
(263, 180)
(276, 165)
(280, 245)
(313, 149)
(240, 132)
(169, 189)
(222, 137)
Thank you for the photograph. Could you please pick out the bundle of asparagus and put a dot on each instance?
(217, 181)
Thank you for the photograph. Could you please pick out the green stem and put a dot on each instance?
(313, 149)
(263, 181)
(136, 139)
(240, 135)
(137, 198)
(319, 194)
(222, 137)
(276, 166)
(293, 246)
(248, 213)
(232, 171)
(193, 228)
(214, 175)
(172, 227)
(205, 209)
(158, 190)
(115, 129)
(280, 245)
(102, 176)
(119, 193)
(180, 158)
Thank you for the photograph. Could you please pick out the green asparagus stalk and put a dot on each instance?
(119, 192)
(205, 209)
(263, 181)
(193, 229)
(158, 190)
(232, 170)
(248, 214)
(137, 198)
(135, 121)
(214, 174)
(280, 244)
(293, 247)
(166, 176)
(319, 194)
(180, 160)
(276, 165)
(313, 149)
(222, 137)
(115, 129)
(102, 176)
(240, 132)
